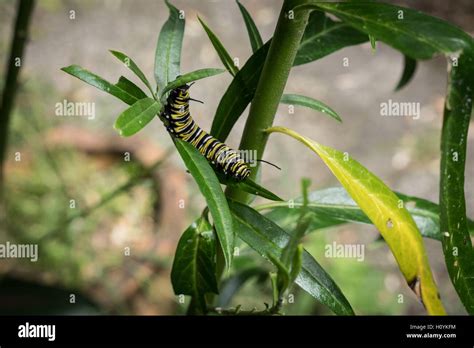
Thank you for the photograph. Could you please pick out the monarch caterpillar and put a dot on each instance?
(182, 126)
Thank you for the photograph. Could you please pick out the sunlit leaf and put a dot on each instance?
(382, 207)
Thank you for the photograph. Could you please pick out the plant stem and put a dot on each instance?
(282, 52)
(18, 43)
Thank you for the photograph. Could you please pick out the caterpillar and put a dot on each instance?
(181, 125)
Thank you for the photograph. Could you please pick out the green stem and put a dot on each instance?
(282, 52)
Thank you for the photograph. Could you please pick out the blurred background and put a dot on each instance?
(107, 227)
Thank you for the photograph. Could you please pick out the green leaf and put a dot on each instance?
(247, 185)
(382, 207)
(131, 88)
(324, 36)
(310, 103)
(137, 116)
(414, 33)
(457, 244)
(220, 49)
(409, 68)
(194, 265)
(98, 82)
(168, 48)
(212, 192)
(190, 77)
(269, 239)
(239, 94)
(333, 206)
(129, 63)
(255, 38)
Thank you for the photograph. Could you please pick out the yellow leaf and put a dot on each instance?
(382, 207)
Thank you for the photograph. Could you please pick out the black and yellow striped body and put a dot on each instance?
(182, 126)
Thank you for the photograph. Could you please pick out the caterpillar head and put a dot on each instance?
(181, 91)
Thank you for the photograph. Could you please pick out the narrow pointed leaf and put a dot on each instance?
(168, 48)
(190, 77)
(255, 38)
(224, 56)
(137, 116)
(194, 265)
(210, 188)
(98, 82)
(310, 103)
(129, 63)
(381, 205)
(269, 239)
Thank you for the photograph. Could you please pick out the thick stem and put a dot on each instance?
(280, 57)
(286, 39)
